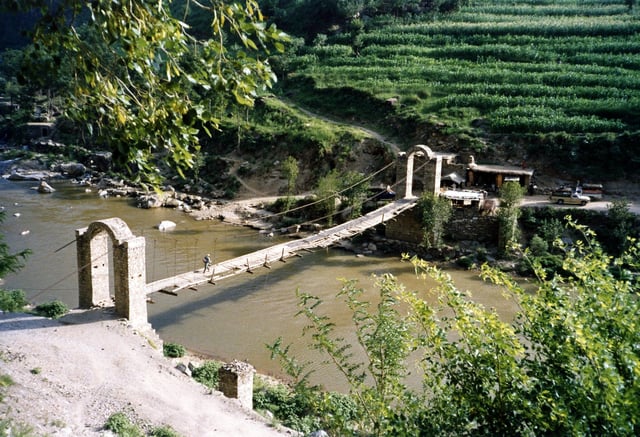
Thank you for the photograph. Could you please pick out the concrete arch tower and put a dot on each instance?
(129, 268)
(429, 176)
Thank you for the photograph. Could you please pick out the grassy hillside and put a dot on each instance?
(556, 79)
(263, 137)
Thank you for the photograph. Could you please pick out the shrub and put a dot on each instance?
(164, 431)
(435, 212)
(121, 425)
(538, 246)
(10, 428)
(173, 350)
(551, 264)
(12, 300)
(207, 374)
(384, 333)
(338, 412)
(551, 230)
(561, 366)
(231, 188)
(481, 254)
(53, 309)
(281, 204)
(548, 263)
(293, 408)
(465, 262)
(270, 397)
(5, 381)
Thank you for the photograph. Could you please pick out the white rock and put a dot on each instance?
(165, 225)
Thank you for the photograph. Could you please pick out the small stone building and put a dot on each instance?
(491, 177)
(39, 130)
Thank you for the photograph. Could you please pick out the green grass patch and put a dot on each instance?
(164, 431)
(120, 424)
(207, 374)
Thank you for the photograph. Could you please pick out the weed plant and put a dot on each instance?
(207, 374)
(120, 424)
(53, 310)
(12, 301)
(173, 350)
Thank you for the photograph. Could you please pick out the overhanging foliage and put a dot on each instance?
(141, 83)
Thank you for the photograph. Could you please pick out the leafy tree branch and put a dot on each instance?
(565, 364)
(140, 80)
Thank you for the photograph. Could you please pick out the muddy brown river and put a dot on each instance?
(233, 319)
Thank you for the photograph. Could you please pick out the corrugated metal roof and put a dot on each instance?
(502, 169)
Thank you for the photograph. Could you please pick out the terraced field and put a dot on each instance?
(523, 67)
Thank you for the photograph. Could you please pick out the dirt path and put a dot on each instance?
(234, 172)
(393, 146)
(598, 205)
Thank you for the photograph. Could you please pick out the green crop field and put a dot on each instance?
(515, 68)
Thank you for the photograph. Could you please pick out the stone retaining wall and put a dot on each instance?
(465, 224)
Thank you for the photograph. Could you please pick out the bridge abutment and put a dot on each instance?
(99, 244)
(131, 280)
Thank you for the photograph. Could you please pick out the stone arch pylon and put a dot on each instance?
(430, 174)
(129, 268)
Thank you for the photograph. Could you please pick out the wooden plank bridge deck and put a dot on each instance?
(280, 252)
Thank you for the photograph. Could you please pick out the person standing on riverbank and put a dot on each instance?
(207, 262)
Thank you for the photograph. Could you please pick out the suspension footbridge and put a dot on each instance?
(263, 258)
(128, 265)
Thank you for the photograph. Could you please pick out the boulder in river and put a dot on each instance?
(101, 161)
(45, 188)
(72, 169)
(172, 202)
(28, 175)
(149, 201)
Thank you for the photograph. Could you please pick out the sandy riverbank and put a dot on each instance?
(70, 375)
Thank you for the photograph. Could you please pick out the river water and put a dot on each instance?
(233, 319)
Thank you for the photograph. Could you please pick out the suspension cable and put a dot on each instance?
(334, 195)
(276, 214)
(49, 288)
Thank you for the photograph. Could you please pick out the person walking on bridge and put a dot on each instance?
(207, 262)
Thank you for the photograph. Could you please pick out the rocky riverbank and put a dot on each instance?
(200, 207)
